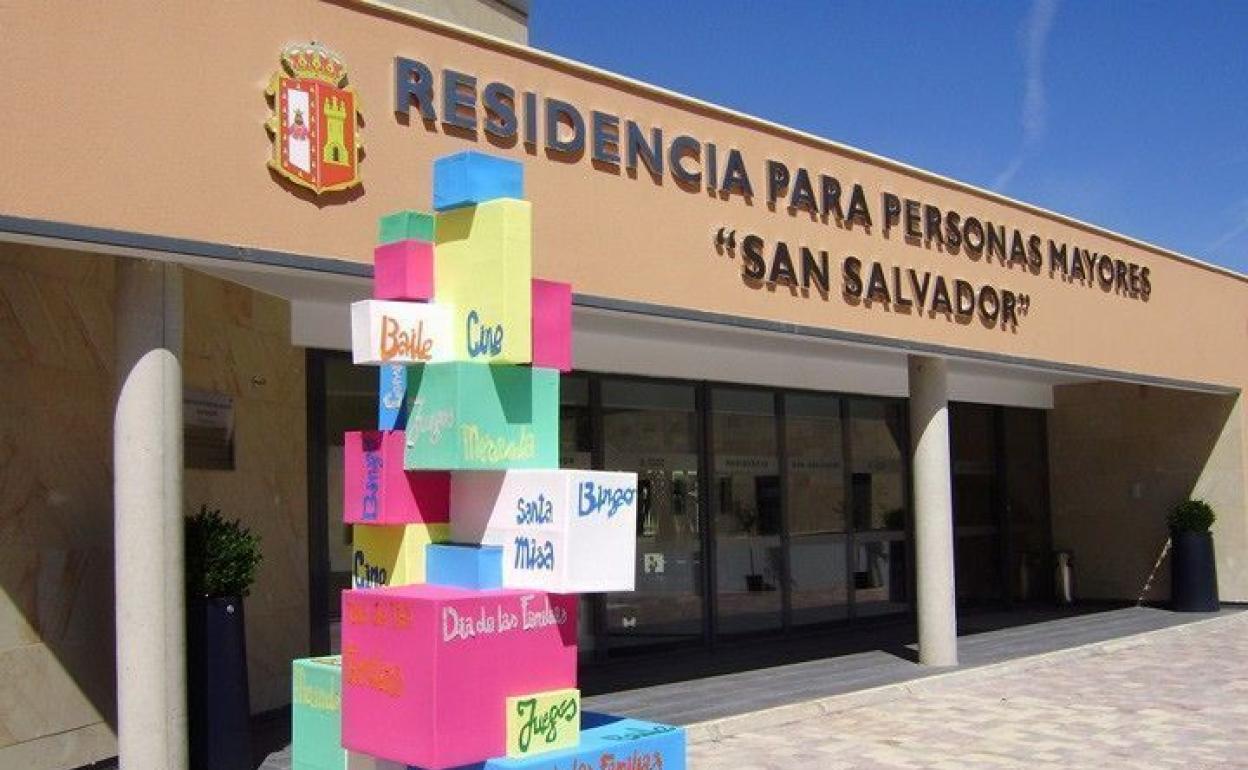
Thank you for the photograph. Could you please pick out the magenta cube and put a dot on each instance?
(403, 270)
(376, 489)
(426, 670)
(552, 325)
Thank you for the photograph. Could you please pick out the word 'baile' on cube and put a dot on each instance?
(464, 566)
(466, 416)
(552, 325)
(567, 531)
(483, 271)
(385, 332)
(543, 722)
(376, 488)
(427, 669)
(392, 555)
(316, 714)
(609, 743)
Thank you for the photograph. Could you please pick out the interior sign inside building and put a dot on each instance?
(464, 106)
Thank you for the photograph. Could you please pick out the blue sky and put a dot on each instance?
(1129, 115)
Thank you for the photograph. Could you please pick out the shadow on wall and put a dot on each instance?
(1120, 457)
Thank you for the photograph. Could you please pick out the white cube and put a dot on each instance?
(389, 332)
(563, 531)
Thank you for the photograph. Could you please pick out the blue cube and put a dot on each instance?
(469, 178)
(392, 402)
(464, 566)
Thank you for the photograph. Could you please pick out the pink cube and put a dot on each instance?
(376, 489)
(403, 270)
(552, 325)
(426, 670)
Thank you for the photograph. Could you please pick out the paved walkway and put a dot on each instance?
(1175, 698)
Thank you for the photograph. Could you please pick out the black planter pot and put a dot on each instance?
(218, 703)
(1193, 572)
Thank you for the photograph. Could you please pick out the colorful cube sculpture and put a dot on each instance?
(477, 416)
(468, 178)
(392, 555)
(483, 272)
(316, 714)
(377, 490)
(384, 332)
(478, 567)
(552, 325)
(391, 397)
(403, 270)
(566, 531)
(406, 226)
(609, 743)
(543, 722)
(426, 668)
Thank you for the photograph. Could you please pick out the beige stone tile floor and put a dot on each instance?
(1174, 699)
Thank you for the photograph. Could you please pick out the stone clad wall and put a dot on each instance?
(56, 561)
(57, 697)
(1120, 457)
(238, 343)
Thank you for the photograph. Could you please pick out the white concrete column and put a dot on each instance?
(933, 511)
(147, 511)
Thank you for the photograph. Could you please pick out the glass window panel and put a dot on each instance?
(651, 428)
(1027, 503)
(815, 493)
(977, 545)
(748, 508)
(878, 506)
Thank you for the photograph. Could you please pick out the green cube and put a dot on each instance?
(473, 416)
(316, 714)
(405, 226)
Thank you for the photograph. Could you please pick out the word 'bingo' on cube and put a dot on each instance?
(543, 722)
(426, 669)
(566, 531)
(403, 270)
(316, 714)
(376, 488)
(552, 325)
(483, 271)
(468, 178)
(464, 566)
(384, 332)
(477, 416)
(392, 555)
(609, 743)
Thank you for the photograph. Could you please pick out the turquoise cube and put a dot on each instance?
(316, 714)
(468, 178)
(405, 226)
(464, 566)
(609, 742)
(470, 416)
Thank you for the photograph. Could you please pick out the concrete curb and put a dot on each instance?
(718, 729)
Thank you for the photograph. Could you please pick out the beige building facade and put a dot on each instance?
(748, 302)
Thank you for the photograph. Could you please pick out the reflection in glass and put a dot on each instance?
(977, 544)
(815, 491)
(748, 508)
(878, 506)
(651, 428)
(576, 451)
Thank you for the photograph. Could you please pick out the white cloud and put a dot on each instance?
(1238, 230)
(1035, 44)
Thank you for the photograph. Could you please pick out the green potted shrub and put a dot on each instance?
(1193, 571)
(221, 561)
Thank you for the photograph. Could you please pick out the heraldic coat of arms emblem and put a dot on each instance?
(314, 125)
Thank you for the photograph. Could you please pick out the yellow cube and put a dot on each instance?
(392, 555)
(483, 269)
(543, 721)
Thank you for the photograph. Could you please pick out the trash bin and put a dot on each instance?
(1064, 577)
